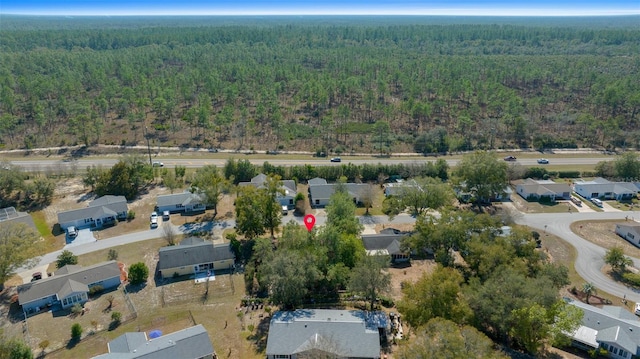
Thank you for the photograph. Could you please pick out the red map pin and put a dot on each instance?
(309, 221)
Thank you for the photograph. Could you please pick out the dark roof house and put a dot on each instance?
(288, 188)
(189, 343)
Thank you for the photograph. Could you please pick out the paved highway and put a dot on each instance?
(43, 164)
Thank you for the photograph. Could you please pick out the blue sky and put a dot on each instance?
(323, 7)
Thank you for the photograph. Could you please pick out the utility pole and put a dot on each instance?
(146, 135)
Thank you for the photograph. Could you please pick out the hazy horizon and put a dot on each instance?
(546, 8)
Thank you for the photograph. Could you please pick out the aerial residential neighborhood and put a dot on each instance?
(397, 180)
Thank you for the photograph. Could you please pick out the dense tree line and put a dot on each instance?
(320, 86)
(24, 191)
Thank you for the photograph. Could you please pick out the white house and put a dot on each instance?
(629, 231)
(604, 189)
(613, 328)
(102, 211)
(185, 202)
(543, 190)
(288, 188)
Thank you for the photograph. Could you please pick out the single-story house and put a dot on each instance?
(10, 215)
(611, 327)
(194, 255)
(288, 187)
(548, 190)
(189, 343)
(68, 285)
(102, 211)
(465, 194)
(320, 191)
(605, 189)
(629, 231)
(185, 202)
(326, 333)
(387, 243)
(396, 188)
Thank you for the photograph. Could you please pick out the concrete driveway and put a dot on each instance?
(84, 236)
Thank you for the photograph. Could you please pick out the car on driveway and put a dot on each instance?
(72, 232)
(336, 159)
(154, 220)
(510, 158)
(597, 202)
(543, 161)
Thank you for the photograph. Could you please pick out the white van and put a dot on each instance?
(597, 202)
(285, 210)
(637, 309)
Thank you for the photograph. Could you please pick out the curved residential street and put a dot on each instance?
(589, 261)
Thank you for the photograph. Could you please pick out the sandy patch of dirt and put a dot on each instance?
(603, 234)
(409, 274)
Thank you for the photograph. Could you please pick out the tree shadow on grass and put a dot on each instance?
(259, 337)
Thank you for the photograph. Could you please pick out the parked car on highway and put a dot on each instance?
(336, 159)
(510, 158)
(543, 161)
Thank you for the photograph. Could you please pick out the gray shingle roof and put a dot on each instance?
(383, 242)
(288, 186)
(545, 188)
(611, 324)
(127, 342)
(324, 191)
(97, 208)
(342, 333)
(191, 254)
(189, 343)
(604, 185)
(178, 198)
(60, 282)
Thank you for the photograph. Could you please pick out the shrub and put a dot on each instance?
(116, 317)
(76, 309)
(66, 257)
(568, 174)
(632, 278)
(112, 255)
(76, 331)
(138, 273)
(386, 302)
(96, 289)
